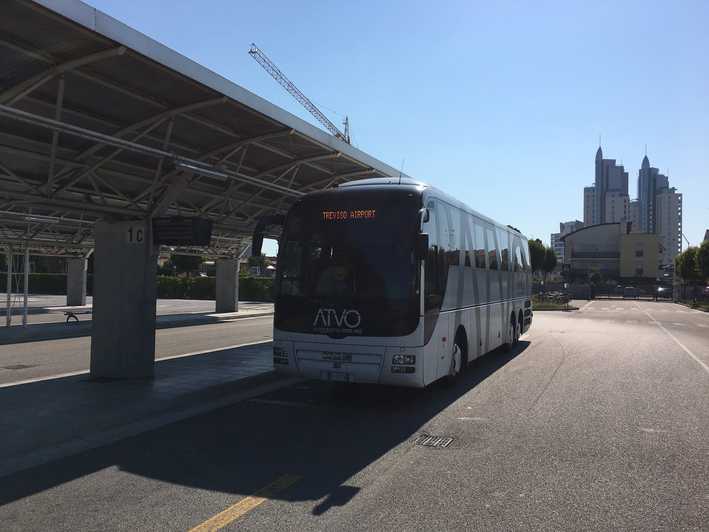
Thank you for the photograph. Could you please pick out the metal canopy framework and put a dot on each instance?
(97, 121)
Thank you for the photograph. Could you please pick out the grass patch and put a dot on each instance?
(548, 303)
(553, 306)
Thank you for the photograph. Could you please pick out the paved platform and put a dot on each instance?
(171, 313)
(51, 308)
(49, 419)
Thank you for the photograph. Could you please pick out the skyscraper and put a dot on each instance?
(589, 204)
(634, 215)
(610, 192)
(650, 183)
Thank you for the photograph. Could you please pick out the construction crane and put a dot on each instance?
(269, 66)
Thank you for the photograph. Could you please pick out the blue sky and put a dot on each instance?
(498, 103)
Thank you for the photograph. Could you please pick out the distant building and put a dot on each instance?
(639, 255)
(668, 224)
(634, 215)
(612, 251)
(557, 244)
(657, 209)
(610, 190)
(617, 207)
(706, 236)
(589, 204)
(650, 183)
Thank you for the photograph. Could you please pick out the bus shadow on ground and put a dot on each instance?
(323, 433)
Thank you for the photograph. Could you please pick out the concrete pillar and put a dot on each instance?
(76, 282)
(124, 290)
(227, 286)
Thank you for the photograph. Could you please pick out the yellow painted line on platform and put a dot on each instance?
(247, 504)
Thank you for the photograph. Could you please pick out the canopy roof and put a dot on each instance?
(99, 121)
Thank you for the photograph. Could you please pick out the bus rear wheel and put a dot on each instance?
(513, 334)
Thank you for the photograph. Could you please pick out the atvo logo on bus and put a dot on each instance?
(329, 318)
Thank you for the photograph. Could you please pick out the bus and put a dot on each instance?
(391, 281)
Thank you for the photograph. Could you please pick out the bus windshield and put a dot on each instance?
(346, 264)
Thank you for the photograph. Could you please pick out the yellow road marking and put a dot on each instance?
(247, 504)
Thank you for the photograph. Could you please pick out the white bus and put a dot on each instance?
(392, 281)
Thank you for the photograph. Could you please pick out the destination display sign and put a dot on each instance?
(182, 231)
(346, 215)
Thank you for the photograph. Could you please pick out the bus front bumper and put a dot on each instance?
(352, 364)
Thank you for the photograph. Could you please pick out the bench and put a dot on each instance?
(74, 314)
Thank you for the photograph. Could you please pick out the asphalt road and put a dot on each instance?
(598, 420)
(33, 360)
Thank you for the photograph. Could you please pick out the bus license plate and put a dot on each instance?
(336, 376)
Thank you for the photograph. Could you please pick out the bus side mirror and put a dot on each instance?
(421, 246)
(261, 225)
(423, 214)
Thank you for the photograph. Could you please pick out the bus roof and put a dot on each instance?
(417, 186)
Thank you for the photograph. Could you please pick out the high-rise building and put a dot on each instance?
(617, 206)
(564, 229)
(634, 215)
(610, 191)
(650, 183)
(589, 204)
(668, 224)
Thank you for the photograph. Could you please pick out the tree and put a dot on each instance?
(703, 260)
(686, 264)
(537, 254)
(185, 263)
(549, 260)
(259, 261)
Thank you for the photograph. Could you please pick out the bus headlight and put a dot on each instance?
(401, 360)
(280, 355)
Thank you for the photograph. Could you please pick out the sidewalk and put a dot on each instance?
(51, 308)
(56, 330)
(47, 420)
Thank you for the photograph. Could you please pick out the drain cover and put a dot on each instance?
(19, 366)
(426, 440)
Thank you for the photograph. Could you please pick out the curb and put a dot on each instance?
(80, 329)
(249, 387)
(570, 309)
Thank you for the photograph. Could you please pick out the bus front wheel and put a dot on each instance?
(457, 360)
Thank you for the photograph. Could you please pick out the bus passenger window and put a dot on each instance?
(492, 258)
(480, 252)
(504, 245)
(519, 265)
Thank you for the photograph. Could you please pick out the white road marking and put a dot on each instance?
(207, 351)
(653, 431)
(668, 333)
(679, 324)
(472, 418)
(701, 325)
(40, 379)
(587, 305)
